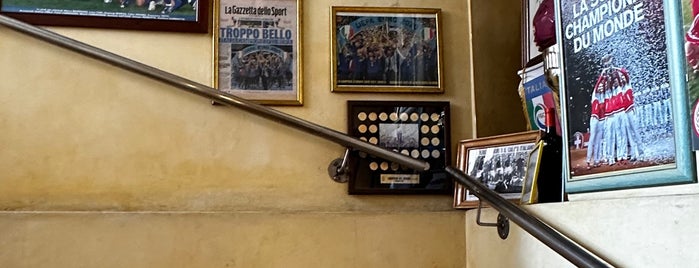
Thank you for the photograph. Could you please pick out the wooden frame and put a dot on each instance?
(626, 81)
(190, 16)
(258, 50)
(529, 49)
(415, 128)
(482, 159)
(377, 49)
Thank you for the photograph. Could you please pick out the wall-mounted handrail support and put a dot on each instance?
(573, 252)
(502, 225)
(556, 241)
(338, 169)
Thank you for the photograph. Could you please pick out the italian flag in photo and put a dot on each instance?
(539, 97)
(537, 108)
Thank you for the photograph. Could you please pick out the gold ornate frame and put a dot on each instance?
(257, 50)
(360, 33)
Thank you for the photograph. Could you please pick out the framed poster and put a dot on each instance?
(415, 128)
(152, 15)
(386, 50)
(257, 50)
(529, 48)
(690, 21)
(499, 162)
(623, 91)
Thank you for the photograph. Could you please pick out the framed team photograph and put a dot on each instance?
(415, 128)
(145, 15)
(384, 49)
(499, 162)
(257, 50)
(625, 106)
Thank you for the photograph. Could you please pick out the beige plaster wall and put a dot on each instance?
(495, 38)
(189, 184)
(252, 239)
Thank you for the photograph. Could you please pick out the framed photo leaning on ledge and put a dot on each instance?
(377, 49)
(499, 162)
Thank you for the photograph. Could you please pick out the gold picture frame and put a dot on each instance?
(257, 49)
(385, 49)
(530, 191)
(497, 161)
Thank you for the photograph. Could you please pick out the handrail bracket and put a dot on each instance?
(503, 223)
(338, 169)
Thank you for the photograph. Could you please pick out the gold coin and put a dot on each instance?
(361, 116)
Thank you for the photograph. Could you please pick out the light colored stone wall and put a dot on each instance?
(188, 184)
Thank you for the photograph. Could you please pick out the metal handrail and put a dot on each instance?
(552, 238)
(209, 92)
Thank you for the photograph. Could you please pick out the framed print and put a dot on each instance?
(257, 50)
(624, 95)
(417, 129)
(690, 21)
(151, 15)
(529, 48)
(498, 162)
(530, 190)
(386, 50)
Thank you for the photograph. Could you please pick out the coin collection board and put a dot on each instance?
(416, 129)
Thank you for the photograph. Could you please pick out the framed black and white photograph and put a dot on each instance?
(414, 128)
(145, 15)
(499, 162)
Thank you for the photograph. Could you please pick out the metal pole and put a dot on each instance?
(573, 252)
(211, 93)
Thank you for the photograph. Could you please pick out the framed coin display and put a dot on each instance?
(417, 129)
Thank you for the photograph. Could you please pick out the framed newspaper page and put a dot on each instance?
(382, 49)
(257, 50)
(624, 104)
(151, 15)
